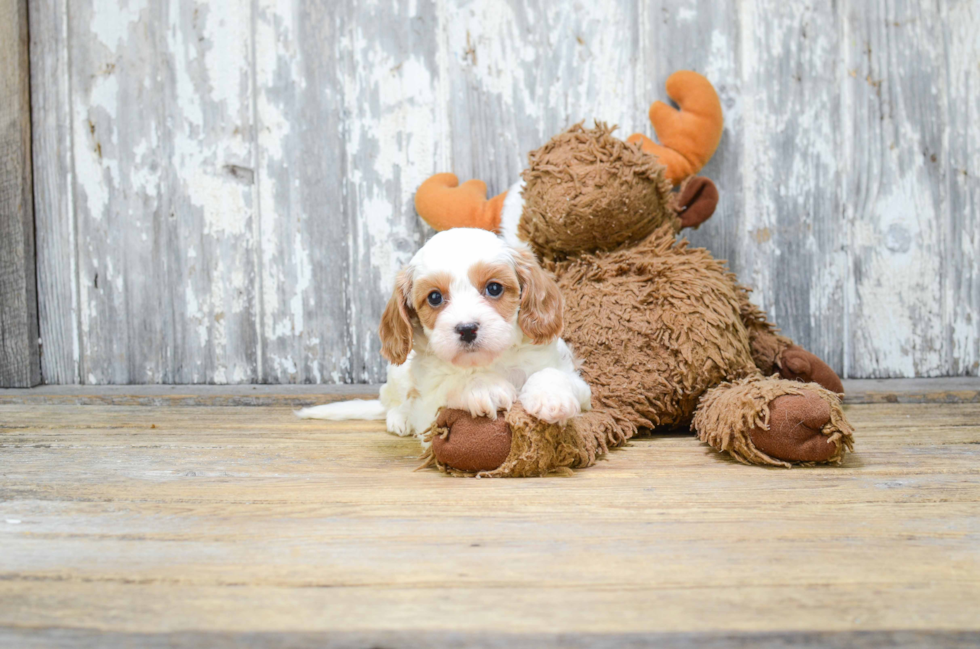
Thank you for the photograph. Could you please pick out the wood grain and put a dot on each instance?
(303, 235)
(520, 72)
(247, 219)
(391, 97)
(857, 391)
(894, 150)
(19, 354)
(792, 233)
(161, 105)
(961, 318)
(75, 638)
(54, 190)
(128, 523)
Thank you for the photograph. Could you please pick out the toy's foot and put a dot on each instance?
(795, 434)
(517, 444)
(774, 422)
(471, 443)
(797, 364)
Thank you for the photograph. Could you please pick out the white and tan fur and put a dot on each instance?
(438, 360)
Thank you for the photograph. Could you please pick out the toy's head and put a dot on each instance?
(586, 190)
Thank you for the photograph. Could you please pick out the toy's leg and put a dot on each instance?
(519, 445)
(774, 421)
(797, 364)
(776, 354)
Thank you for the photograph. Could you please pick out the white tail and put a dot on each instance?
(344, 410)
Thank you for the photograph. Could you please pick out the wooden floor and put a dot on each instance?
(228, 525)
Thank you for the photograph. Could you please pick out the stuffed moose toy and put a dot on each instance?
(667, 336)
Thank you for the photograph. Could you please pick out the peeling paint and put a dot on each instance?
(111, 21)
(242, 177)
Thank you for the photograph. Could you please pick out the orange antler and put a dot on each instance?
(443, 205)
(689, 136)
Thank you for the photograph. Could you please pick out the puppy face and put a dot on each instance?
(472, 297)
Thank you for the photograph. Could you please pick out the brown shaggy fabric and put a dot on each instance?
(537, 448)
(665, 333)
(586, 190)
(656, 325)
(766, 344)
(729, 414)
(540, 448)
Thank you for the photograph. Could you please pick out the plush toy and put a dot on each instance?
(667, 336)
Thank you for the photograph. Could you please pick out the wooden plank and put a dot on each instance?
(893, 155)
(304, 336)
(54, 216)
(943, 390)
(164, 194)
(345, 140)
(940, 390)
(287, 396)
(859, 244)
(602, 618)
(248, 523)
(395, 136)
(19, 354)
(519, 73)
(83, 638)
(792, 239)
(961, 316)
(608, 614)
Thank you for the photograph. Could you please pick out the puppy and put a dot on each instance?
(472, 324)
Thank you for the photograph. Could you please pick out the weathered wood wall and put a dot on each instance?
(224, 190)
(20, 364)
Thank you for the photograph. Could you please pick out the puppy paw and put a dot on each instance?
(554, 408)
(486, 399)
(550, 399)
(397, 422)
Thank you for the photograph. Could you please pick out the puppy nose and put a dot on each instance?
(467, 331)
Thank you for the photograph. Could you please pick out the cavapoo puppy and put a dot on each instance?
(472, 324)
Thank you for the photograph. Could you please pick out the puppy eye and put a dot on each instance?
(435, 298)
(495, 289)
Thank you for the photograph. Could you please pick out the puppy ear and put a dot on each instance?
(396, 328)
(540, 315)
